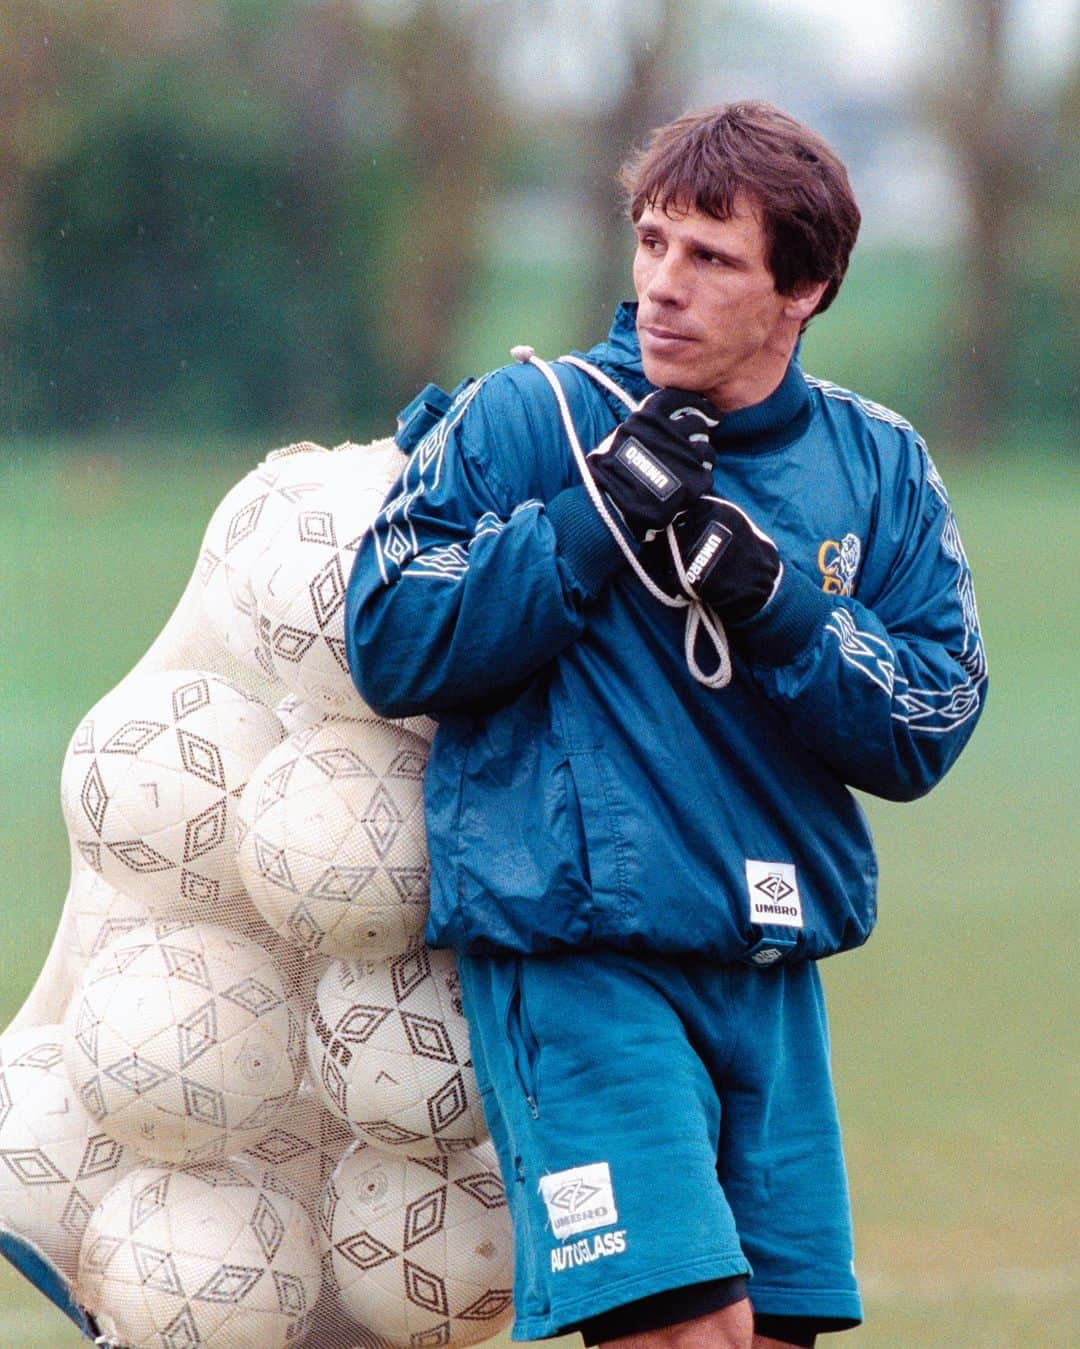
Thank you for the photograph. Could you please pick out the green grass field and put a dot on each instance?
(954, 1031)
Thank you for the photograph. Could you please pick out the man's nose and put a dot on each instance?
(669, 282)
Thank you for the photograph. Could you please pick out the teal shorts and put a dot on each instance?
(661, 1123)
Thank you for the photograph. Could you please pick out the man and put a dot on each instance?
(638, 863)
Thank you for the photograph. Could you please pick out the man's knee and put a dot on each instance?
(731, 1327)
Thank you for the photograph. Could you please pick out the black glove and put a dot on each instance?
(659, 461)
(728, 562)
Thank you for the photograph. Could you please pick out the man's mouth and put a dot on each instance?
(662, 336)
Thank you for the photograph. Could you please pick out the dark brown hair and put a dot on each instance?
(706, 160)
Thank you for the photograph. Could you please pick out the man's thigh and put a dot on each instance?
(607, 1127)
(780, 1154)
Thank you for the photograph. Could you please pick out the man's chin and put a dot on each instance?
(667, 374)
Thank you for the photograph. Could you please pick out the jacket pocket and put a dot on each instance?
(518, 856)
(608, 825)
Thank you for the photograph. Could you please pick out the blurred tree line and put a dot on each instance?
(285, 216)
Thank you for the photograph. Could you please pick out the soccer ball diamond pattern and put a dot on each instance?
(389, 1051)
(297, 584)
(150, 782)
(420, 1249)
(170, 1146)
(181, 1040)
(56, 1161)
(220, 1255)
(331, 836)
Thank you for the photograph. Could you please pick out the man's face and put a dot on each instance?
(709, 315)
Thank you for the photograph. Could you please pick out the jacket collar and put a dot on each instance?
(620, 355)
(770, 424)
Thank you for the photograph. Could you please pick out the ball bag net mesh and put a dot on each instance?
(238, 1108)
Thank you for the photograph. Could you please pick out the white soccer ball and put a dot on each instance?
(56, 1163)
(150, 783)
(298, 584)
(388, 1048)
(181, 1041)
(243, 526)
(331, 841)
(420, 1250)
(219, 1256)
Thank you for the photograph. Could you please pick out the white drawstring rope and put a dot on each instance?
(699, 616)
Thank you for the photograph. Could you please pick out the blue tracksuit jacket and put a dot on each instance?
(582, 787)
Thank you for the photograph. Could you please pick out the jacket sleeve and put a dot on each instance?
(468, 582)
(886, 691)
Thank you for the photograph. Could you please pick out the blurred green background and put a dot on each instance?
(225, 226)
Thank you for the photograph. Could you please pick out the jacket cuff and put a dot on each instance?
(791, 619)
(584, 542)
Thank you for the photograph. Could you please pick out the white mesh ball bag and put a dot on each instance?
(181, 1041)
(221, 1256)
(56, 1162)
(420, 1250)
(295, 715)
(303, 1147)
(298, 584)
(164, 1036)
(332, 846)
(246, 525)
(388, 1048)
(97, 914)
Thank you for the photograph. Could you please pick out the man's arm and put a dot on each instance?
(888, 695)
(886, 692)
(468, 583)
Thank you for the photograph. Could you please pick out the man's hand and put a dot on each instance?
(727, 561)
(657, 464)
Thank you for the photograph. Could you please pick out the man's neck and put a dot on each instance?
(749, 387)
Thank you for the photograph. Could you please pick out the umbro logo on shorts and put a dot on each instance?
(579, 1200)
(573, 1196)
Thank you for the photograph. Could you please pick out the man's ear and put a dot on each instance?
(803, 300)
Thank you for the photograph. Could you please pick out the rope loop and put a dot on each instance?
(699, 616)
